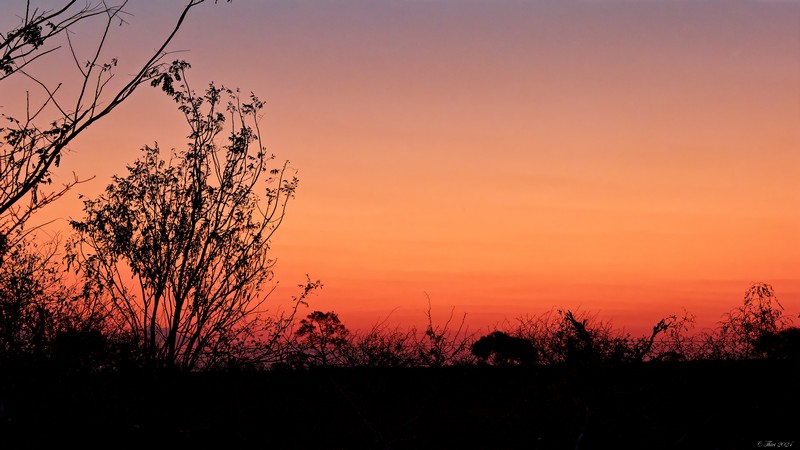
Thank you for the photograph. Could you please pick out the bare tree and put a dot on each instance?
(33, 142)
(193, 230)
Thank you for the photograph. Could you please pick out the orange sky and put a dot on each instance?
(506, 157)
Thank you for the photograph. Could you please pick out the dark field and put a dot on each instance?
(700, 404)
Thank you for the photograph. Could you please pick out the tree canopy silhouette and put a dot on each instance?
(321, 340)
(500, 348)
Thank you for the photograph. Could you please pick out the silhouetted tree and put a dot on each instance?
(33, 141)
(321, 341)
(193, 230)
(499, 348)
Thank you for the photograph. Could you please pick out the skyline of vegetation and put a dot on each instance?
(194, 229)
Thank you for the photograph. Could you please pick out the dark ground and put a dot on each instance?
(701, 404)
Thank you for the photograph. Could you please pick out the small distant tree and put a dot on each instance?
(321, 341)
(499, 348)
(192, 230)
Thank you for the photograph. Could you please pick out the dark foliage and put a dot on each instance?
(320, 341)
(783, 344)
(499, 348)
(46, 323)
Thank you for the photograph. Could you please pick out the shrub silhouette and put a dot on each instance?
(38, 308)
(567, 337)
(784, 344)
(382, 347)
(580, 345)
(79, 350)
(500, 348)
(443, 344)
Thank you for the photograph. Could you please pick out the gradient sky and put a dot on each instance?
(629, 158)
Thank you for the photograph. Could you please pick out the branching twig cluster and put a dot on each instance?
(34, 142)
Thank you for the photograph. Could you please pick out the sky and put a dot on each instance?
(498, 158)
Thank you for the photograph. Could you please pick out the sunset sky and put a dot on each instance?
(628, 158)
